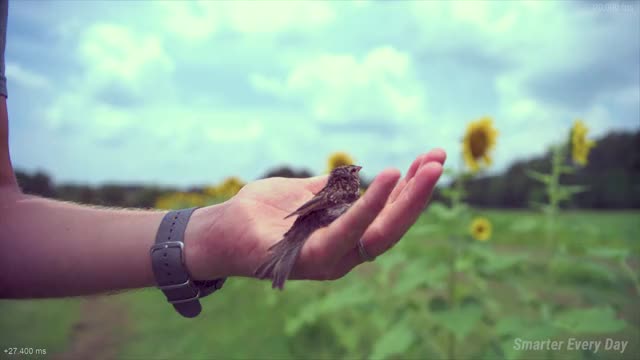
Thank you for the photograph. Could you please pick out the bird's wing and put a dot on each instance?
(317, 202)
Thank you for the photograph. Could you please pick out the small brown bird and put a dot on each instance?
(342, 190)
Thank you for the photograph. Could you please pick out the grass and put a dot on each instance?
(235, 321)
(38, 324)
(248, 320)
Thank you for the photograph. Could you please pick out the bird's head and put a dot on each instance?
(346, 173)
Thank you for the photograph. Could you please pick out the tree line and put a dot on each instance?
(611, 178)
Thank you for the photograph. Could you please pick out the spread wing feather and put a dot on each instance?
(318, 202)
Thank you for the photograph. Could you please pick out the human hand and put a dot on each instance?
(231, 239)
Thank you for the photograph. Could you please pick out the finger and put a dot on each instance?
(343, 233)
(412, 171)
(391, 226)
(406, 209)
(435, 155)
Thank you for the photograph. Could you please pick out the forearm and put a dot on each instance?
(53, 248)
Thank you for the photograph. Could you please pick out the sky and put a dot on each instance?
(188, 93)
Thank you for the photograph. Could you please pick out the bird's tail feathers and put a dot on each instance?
(278, 266)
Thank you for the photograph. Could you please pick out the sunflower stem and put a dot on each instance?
(553, 193)
(456, 204)
(452, 294)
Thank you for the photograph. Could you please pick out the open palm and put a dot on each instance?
(380, 217)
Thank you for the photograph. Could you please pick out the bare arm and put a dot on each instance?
(52, 248)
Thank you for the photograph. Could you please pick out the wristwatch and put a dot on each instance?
(168, 262)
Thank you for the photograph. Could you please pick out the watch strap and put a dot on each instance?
(169, 266)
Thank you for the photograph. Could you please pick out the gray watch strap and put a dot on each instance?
(168, 262)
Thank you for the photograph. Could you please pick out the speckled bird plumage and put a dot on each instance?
(340, 192)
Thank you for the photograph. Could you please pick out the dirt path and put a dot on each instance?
(99, 332)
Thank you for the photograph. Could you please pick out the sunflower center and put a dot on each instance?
(479, 143)
(480, 229)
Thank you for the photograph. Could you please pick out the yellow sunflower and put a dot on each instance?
(339, 159)
(229, 187)
(478, 141)
(180, 200)
(480, 229)
(580, 145)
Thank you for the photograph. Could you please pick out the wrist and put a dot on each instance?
(205, 244)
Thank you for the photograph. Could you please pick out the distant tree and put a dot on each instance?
(37, 184)
(146, 197)
(112, 195)
(612, 178)
(612, 175)
(82, 194)
(287, 172)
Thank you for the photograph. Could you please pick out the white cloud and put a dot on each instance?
(278, 16)
(25, 77)
(525, 31)
(199, 20)
(341, 87)
(220, 133)
(117, 52)
(629, 96)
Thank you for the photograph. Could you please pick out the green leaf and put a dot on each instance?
(525, 293)
(387, 263)
(502, 262)
(533, 332)
(543, 178)
(540, 332)
(567, 191)
(524, 225)
(459, 321)
(597, 320)
(349, 296)
(413, 277)
(435, 277)
(567, 269)
(609, 253)
(395, 341)
(449, 193)
(510, 325)
(355, 294)
(441, 211)
(482, 252)
(307, 315)
(567, 169)
(463, 264)
(537, 205)
(424, 229)
(449, 171)
(348, 335)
